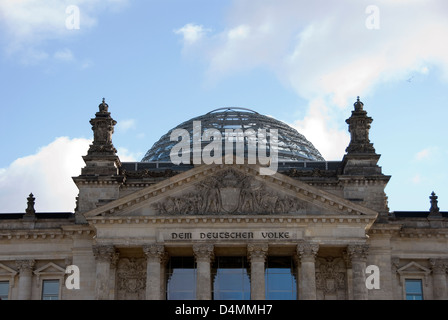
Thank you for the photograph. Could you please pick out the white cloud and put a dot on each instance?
(424, 154)
(64, 55)
(318, 128)
(28, 24)
(127, 156)
(433, 153)
(191, 33)
(47, 174)
(417, 179)
(239, 33)
(126, 125)
(324, 49)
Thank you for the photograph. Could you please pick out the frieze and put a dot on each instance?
(226, 235)
(142, 174)
(315, 173)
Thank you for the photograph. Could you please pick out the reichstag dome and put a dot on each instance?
(292, 146)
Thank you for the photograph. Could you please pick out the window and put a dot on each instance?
(231, 279)
(50, 290)
(4, 290)
(280, 281)
(414, 289)
(181, 279)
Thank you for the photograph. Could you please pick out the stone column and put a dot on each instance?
(163, 264)
(349, 273)
(25, 278)
(257, 257)
(439, 268)
(113, 276)
(397, 292)
(204, 256)
(298, 271)
(156, 258)
(358, 257)
(104, 255)
(307, 284)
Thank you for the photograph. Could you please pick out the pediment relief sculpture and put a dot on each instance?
(230, 192)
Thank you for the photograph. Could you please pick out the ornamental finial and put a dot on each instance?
(104, 106)
(434, 208)
(30, 209)
(358, 105)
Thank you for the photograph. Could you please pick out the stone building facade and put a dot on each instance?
(155, 230)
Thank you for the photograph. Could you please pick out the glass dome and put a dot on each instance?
(292, 146)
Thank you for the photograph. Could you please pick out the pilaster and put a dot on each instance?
(204, 254)
(155, 272)
(25, 268)
(307, 253)
(358, 257)
(104, 255)
(257, 256)
(439, 269)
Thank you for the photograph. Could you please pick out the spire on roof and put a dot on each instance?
(358, 105)
(104, 107)
(434, 208)
(30, 212)
(31, 200)
(359, 126)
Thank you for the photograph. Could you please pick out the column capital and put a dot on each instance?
(204, 252)
(439, 266)
(257, 251)
(395, 264)
(156, 252)
(104, 252)
(357, 251)
(307, 250)
(25, 265)
(115, 258)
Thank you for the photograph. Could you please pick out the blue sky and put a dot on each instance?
(158, 63)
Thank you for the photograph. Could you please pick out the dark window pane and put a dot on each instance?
(413, 286)
(172, 295)
(280, 296)
(280, 281)
(181, 279)
(229, 295)
(277, 282)
(231, 280)
(50, 290)
(4, 290)
(413, 297)
(414, 289)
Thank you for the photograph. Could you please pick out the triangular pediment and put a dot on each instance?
(7, 271)
(413, 267)
(50, 268)
(229, 190)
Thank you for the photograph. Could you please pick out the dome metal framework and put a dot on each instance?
(292, 146)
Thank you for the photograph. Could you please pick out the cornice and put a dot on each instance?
(268, 219)
(47, 234)
(439, 233)
(384, 229)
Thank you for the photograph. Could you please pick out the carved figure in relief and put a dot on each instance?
(229, 192)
